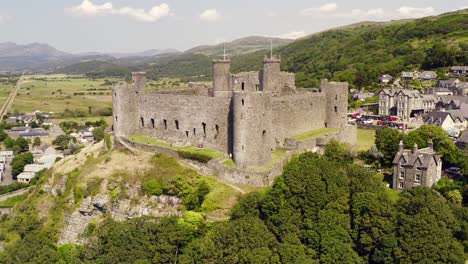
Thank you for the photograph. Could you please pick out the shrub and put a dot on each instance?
(194, 156)
(153, 187)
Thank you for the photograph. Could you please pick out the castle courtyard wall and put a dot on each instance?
(185, 119)
(297, 114)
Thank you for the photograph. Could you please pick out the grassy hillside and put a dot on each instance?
(360, 53)
(240, 46)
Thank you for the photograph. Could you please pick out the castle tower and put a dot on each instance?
(139, 80)
(221, 77)
(124, 110)
(270, 75)
(252, 128)
(336, 96)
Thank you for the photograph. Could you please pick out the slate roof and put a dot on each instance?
(437, 117)
(425, 156)
(463, 138)
(428, 75)
(447, 83)
(459, 68)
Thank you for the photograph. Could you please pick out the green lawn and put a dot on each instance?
(5, 90)
(10, 202)
(316, 133)
(365, 139)
(55, 93)
(214, 154)
(276, 156)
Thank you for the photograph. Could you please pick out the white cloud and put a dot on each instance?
(210, 15)
(88, 8)
(373, 13)
(326, 8)
(414, 12)
(293, 35)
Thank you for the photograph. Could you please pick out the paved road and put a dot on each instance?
(11, 98)
(7, 178)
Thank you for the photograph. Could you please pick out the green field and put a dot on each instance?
(6, 86)
(316, 133)
(365, 139)
(55, 93)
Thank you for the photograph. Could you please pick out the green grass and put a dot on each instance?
(5, 90)
(276, 156)
(214, 154)
(365, 139)
(10, 202)
(316, 133)
(55, 93)
(230, 163)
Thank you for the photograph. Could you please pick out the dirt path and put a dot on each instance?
(5, 196)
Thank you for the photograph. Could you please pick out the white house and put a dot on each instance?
(26, 177)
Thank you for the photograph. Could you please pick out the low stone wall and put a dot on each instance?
(235, 175)
(216, 167)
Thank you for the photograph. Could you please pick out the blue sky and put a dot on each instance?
(137, 25)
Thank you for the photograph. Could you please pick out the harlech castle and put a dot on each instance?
(246, 115)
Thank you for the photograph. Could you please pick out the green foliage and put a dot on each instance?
(455, 197)
(63, 141)
(98, 133)
(153, 187)
(19, 161)
(12, 187)
(387, 141)
(198, 156)
(341, 153)
(108, 141)
(37, 142)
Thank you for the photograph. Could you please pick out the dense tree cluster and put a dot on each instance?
(322, 209)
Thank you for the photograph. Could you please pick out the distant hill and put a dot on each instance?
(359, 53)
(240, 46)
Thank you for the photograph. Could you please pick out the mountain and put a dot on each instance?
(10, 49)
(240, 46)
(147, 53)
(361, 52)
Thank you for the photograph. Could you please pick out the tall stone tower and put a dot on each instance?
(221, 80)
(125, 105)
(336, 96)
(252, 128)
(270, 75)
(139, 80)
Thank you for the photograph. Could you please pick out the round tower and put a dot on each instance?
(124, 110)
(271, 75)
(221, 74)
(252, 128)
(139, 80)
(336, 97)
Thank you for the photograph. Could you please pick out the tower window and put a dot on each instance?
(177, 124)
(242, 101)
(264, 133)
(336, 109)
(142, 121)
(194, 131)
(243, 86)
(217, 129)
(336, 97)
(116, 119)
(165, 124)
(204, 128)
(186, 133)
(152, 122)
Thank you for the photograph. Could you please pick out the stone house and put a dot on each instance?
(427, 76)
(405, 103)
(386, 78)
(416, 167)
(458, 70)
(409, 76)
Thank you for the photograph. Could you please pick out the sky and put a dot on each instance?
(137, 25)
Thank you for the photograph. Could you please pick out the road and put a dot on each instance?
(11, 98)
(5, 196)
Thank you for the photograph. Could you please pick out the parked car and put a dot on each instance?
(454, 171)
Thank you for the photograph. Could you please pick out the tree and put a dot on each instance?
(21, 160)
(37, 142)
(98, 133)
(387, 141)
(62, 141)
(424, 229)
(22, 144)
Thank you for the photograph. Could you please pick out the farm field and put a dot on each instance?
(55, 93)
(6, 86)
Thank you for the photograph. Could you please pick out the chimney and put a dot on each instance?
(415, 148)
(430, 145)
(139, 80)
(400, 146)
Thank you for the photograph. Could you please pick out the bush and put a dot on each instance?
(153, 187)
(194, 156)
(108, 141)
